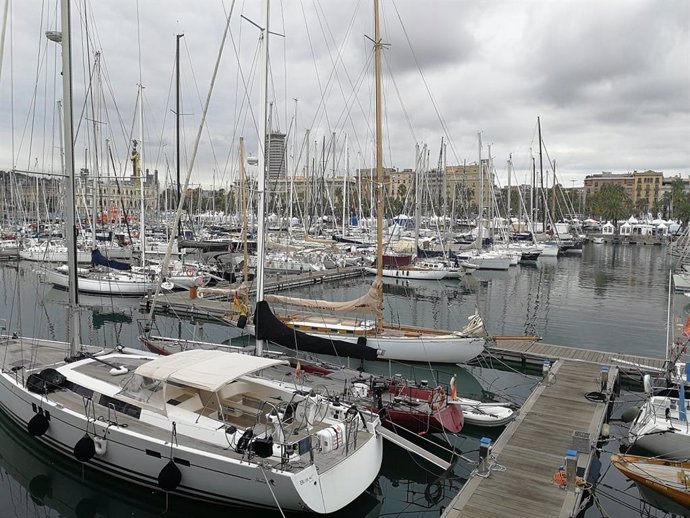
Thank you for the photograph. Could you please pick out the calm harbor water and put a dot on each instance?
(613, 298)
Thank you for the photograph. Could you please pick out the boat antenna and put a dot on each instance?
(261, 176)
(192, 161)
(177, 122)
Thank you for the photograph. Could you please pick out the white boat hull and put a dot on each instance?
(482, 262)
(549, 250)
(187, 281)
(208, 476)
(659, 430)
(485, 415)
(58, 255)
(105, 284)
(446, 348)
(419, 274)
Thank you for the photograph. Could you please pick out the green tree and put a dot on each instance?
(678, 198)
(612, 203)
(219, 199)
(641, 205)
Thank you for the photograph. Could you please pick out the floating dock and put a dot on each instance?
(562, 418)
(218, 307)
(534, 353)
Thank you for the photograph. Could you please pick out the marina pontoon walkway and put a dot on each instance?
(533, 447)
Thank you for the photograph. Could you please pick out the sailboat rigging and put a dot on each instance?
(212, 429)
(329, 334)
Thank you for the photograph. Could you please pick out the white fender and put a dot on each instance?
(100, 445)
(647, 383)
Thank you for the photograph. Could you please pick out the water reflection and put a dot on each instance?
(421, 484)
(613, 298)
(37, 482)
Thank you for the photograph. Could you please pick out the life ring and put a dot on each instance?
(438, 397)
(189, 271)
(100, 444)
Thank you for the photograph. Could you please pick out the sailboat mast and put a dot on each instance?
(508, 211)
(261, 177)
(480, 226)
(177, 123)
(142, 199)
(541, 171)
(345, 182)
(70, 226)
(379, 165)
(417, 193)
(243, 193)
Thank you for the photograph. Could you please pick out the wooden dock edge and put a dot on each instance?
(573, 498)
(458, 503)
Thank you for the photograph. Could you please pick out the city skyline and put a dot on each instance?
(607, 80)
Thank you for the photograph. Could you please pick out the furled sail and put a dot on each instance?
(97, 258)
(367, 303)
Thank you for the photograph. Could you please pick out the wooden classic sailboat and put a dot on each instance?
(364, 338)
(668, 480)
(198, 424)
(371, 338)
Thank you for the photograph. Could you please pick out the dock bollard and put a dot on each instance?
(604, 378)
(571, 468)
(484, 451)
(545, 369)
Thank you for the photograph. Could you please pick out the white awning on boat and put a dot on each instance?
(204, 369)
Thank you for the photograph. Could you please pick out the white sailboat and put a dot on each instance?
(48, 252)
(198, 424)
(420, 272)
(661, 427)
(114, 283)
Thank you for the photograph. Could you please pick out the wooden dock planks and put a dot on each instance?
(537, 352)
(532, 448)
(218, 306)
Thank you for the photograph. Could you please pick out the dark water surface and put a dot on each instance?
(614, 298)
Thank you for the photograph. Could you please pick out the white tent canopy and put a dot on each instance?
(204, 369)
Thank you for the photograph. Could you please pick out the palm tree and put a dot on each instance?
(612, 203)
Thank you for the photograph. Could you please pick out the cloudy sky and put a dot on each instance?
(609, 80)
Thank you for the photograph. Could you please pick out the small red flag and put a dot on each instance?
(298, 370)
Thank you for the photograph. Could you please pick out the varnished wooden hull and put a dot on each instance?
(669, 478)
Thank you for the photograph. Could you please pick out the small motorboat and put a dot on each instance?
(485, 414)
(598, 240)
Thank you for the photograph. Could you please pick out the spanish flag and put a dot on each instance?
(298, 370)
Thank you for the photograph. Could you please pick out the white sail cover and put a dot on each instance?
(204, 369)
(367, 303)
